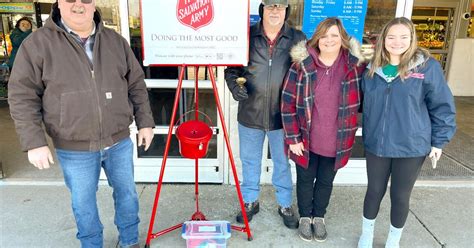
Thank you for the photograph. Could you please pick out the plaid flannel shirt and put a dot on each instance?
(88, 44)
(297, 104)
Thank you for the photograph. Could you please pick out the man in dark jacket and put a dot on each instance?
(82, 81)
(259, 107)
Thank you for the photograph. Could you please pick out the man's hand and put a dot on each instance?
(145, 136)
(297, 148)
(240, 93)
(40, 157)
(435, 154)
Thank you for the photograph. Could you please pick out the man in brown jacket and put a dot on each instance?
(82, 82)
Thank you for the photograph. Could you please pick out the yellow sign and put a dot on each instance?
(24, 8)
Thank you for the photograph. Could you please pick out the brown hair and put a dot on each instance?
(382, 56)
(323, 28)
(17, 25)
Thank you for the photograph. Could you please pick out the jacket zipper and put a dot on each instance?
(388, 90)
(98, 108)
(266, 117)
(93, 82)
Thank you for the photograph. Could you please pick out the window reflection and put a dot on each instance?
(109, 10)
(379, 12)
(296, 13)
(161, 101)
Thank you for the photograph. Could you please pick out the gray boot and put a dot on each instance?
(319, 228)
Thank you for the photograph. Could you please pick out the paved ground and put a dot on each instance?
(40, 216)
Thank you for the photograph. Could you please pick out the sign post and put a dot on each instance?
(193, 33)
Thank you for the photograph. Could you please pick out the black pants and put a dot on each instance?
(313, 197)
(403, 172)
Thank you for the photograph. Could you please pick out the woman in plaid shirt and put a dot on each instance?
(320, 102)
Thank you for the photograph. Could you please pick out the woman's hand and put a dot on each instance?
(297, 148)
(435, 155)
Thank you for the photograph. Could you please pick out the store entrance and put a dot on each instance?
(10, 13)
(435, 25)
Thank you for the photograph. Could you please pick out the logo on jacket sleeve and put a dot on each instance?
(195, 13)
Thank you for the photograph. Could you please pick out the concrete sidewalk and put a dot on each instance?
(40, 216)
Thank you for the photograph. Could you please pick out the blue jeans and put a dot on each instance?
(81, 171)
(251, 146)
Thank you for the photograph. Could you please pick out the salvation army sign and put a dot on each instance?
(195, 14)
(195, 32)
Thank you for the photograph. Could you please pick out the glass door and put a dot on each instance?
(435, 27)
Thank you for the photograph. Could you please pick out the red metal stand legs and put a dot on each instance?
(231, 158)
(197, 215)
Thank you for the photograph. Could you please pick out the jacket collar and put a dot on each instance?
(54, 20)
(418, 60)
(285, 30)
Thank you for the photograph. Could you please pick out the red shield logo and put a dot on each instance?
(195, 13)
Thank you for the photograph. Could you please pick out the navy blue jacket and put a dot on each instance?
(406, 118)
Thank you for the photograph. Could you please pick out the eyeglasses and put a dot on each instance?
(82, 1)
(275, 7)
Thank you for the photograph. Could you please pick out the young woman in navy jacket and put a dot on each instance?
(408, 113)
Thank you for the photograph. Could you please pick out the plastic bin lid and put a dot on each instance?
(206, 230)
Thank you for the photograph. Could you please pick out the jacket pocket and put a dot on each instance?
(118, 110)
(422, 137)
(76, 115)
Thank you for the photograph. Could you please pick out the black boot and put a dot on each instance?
(289, 218)
(251, 209)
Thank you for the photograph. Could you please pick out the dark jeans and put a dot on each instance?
(403, 172)
(313, 196)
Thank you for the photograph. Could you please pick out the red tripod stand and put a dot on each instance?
(198, 215)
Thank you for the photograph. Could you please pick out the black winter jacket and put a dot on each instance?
(265, 73)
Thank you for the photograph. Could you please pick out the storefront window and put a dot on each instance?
(433, 27)
(7, 24)
(110, 13)
(296, 13)
(378, 13)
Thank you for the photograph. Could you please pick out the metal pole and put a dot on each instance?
(165, 155)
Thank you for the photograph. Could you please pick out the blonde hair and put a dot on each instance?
(323, 28)
(382, 56)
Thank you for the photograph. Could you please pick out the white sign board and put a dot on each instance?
(195, 32)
